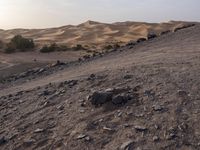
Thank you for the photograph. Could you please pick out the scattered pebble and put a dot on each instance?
(39, 130)
(140, 128)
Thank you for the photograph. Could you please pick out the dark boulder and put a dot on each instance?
(99, 98)
(121, 99)
(151, 36)
(2, 140)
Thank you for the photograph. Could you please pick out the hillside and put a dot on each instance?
(141, 97)
(92, 34)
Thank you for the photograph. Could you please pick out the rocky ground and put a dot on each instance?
(143, 97)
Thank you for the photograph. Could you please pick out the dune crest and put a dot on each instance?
(92, 33)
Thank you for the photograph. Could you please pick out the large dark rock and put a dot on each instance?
(151, 36)
(120, 99)
(2, 140)
(99, 98)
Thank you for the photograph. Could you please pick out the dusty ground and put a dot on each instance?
(50, 110)
(18, 62)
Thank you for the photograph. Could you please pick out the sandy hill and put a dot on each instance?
(92, 33)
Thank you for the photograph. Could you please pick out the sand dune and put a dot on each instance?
(92, 33)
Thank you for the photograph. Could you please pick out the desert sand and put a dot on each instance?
(93, 34)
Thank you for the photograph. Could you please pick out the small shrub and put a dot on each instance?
(116, 46)
(20, 43)
(62, 48)
(79, 47)
(108, 47)
(47, 49)
(53, 47)
(10, 48)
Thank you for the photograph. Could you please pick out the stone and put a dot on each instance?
(120, 99)
(118, 90)
(87, 138)
(28, 142)
(91, 77)
(71, 83)
(140, 128)
(99, 98)
(58, 63)
(108, 129)
(155, 138)
(127, 145)
(85, 57)
(151, 36)
(182, 93)
(2, 140)
(81, 136)
(44, 93)
(170, 136)
(39, 130)
(81, 111)
(61, 107)
(128, 76)
(157, 108)
(41, 70)
(84, 137)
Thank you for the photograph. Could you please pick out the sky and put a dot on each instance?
(54, 13)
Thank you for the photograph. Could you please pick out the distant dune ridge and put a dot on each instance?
(91, 33)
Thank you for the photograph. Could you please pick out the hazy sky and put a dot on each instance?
(51, 13)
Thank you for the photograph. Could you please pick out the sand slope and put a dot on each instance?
(92, 33)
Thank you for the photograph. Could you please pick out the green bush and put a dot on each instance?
(10, 48)
(47, 49)
(20, 43)
(116, 46)
(53, 47)
(78, 47)
(108, 47)
(63, 48)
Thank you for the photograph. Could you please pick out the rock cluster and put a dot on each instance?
(117, 96)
